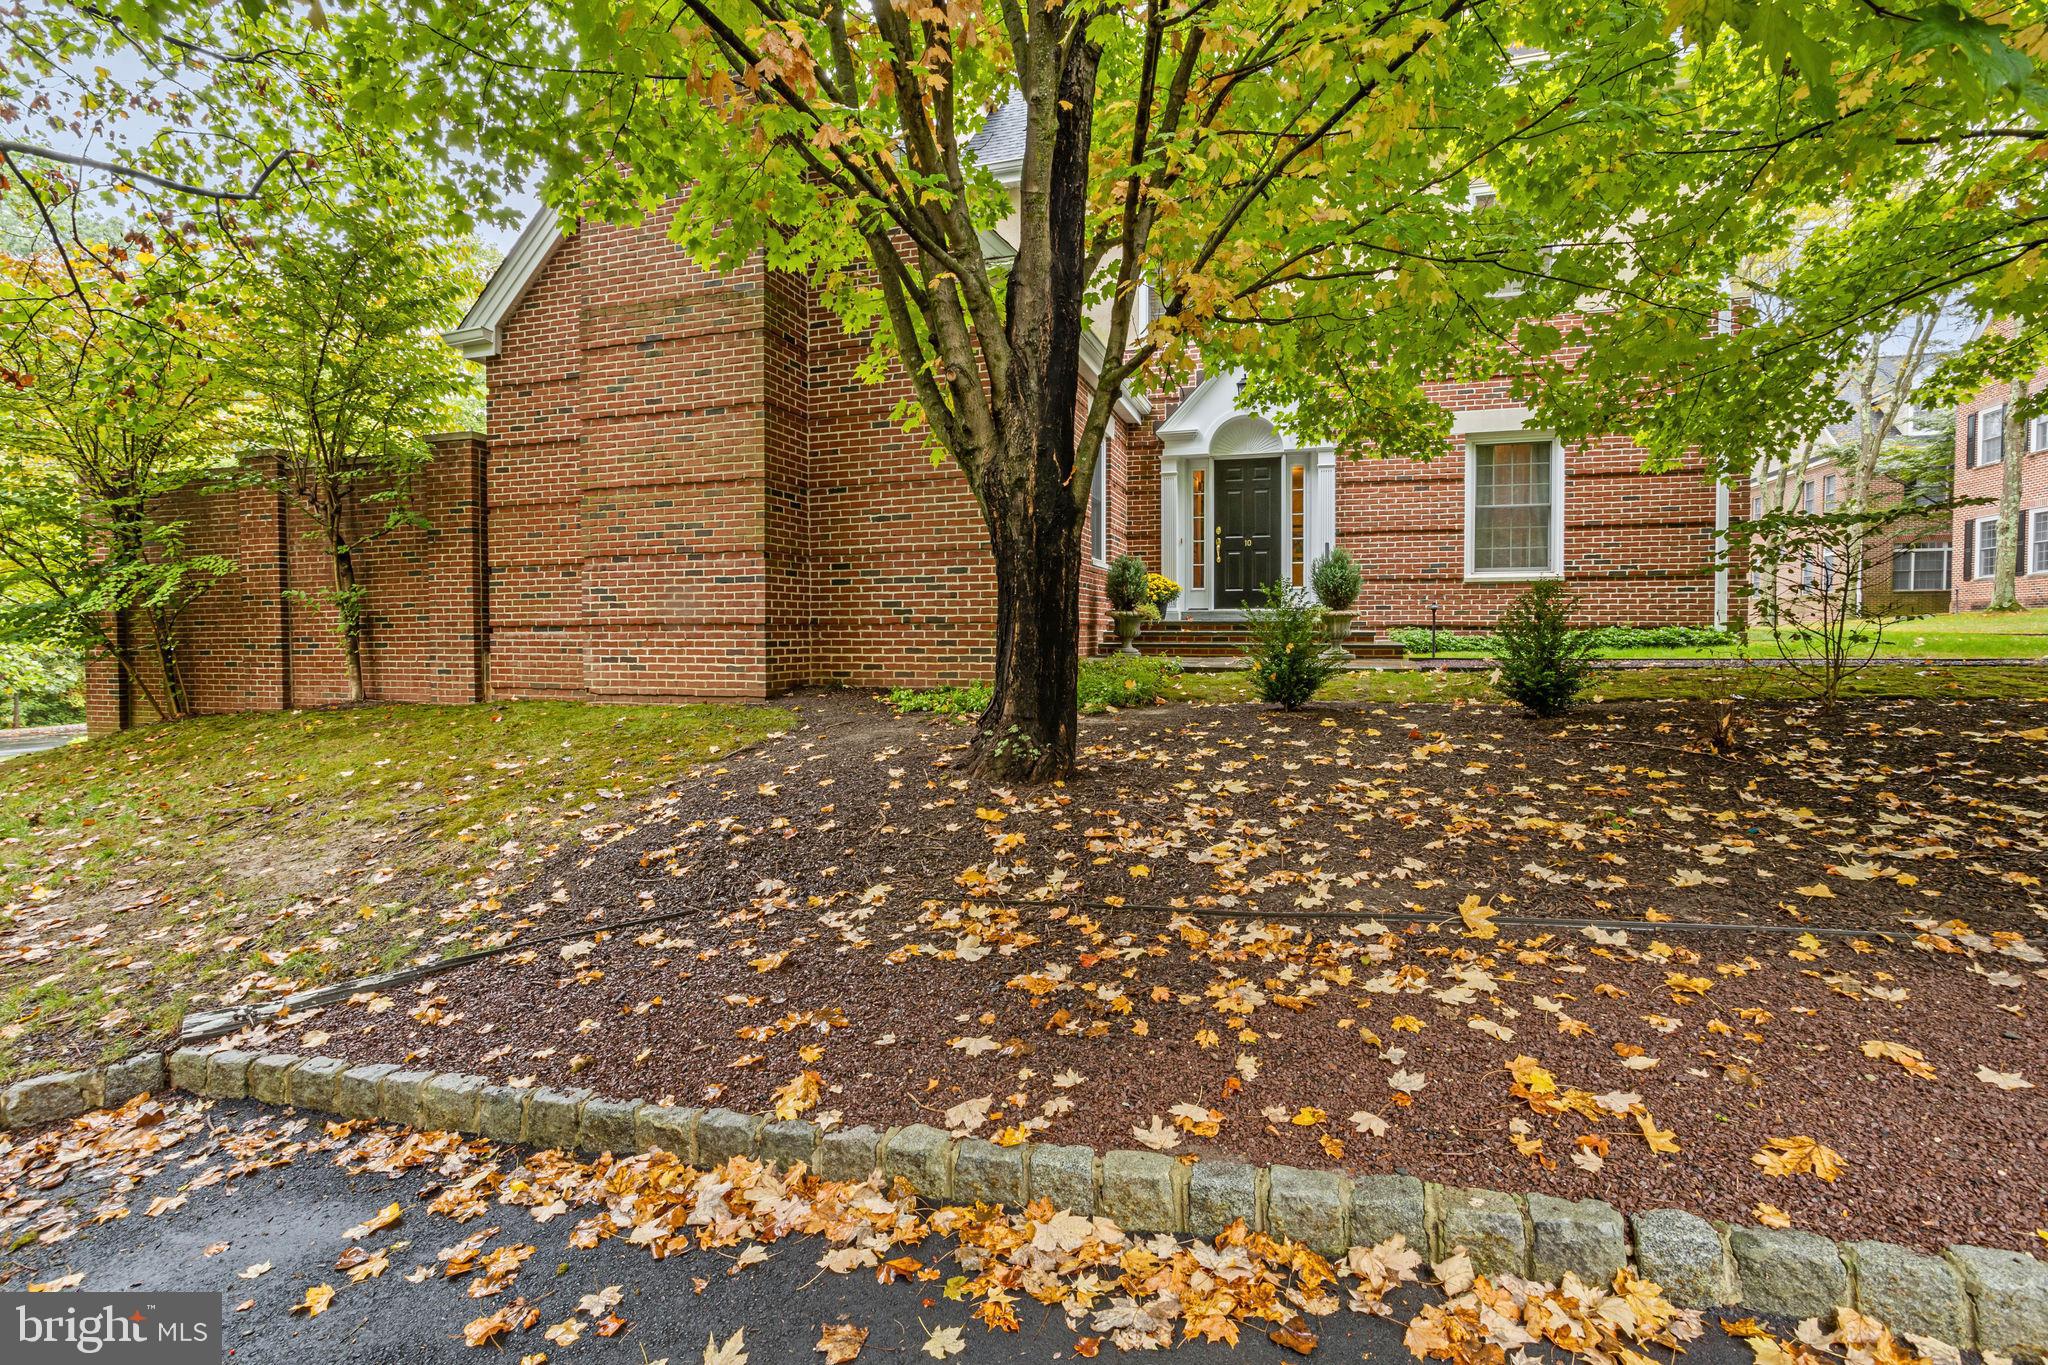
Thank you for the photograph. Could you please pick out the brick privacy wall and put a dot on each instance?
(1974, 594)
(694, 493)
(246, 646)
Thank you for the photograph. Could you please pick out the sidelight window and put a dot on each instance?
(1297, 515)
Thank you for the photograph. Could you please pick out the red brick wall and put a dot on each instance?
(1987, 482)
(1783, 493)
(1638, 547)
(628, 477)
(247, 646)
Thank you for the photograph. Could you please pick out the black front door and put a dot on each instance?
(1247, 530)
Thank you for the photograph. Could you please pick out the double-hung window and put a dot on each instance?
(1984, 548)
(1921, 567)
(1986, 445)
(1514, 508)
(1830, 491)
(2037, 541)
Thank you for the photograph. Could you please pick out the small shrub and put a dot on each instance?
(1126, 582)
(1337, 579)
(1122, 681)
(1161, 590)
(1291, 659)
(967, 699)
(1542, 660)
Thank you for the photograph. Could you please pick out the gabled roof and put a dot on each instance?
(477, 335)
(1000, 143)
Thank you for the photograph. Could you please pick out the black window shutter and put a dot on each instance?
(1970, 441)
(1970, 535)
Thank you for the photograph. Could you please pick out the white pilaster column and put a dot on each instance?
(1323, 526)
(1172, 535)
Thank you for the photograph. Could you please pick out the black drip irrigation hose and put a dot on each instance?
(1428, 917)
(240, 1016)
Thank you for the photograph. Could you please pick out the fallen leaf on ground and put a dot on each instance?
(1800, 1155)
(840, 1342)
(316, 1300)
(382, 1219)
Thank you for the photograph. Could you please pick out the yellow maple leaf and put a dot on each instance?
(1799, 1155)
(1478, 918)
(798, 1093)
(316, 1300)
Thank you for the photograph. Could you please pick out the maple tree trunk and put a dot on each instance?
(347, 601)
(1028, 732)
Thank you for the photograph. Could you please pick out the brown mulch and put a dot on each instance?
(920, 939)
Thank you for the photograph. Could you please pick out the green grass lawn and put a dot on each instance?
(230, 857)
(1956, 635)
(1400, 685)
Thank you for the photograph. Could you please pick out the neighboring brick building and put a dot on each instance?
(687, 490)
(1907, 569)
(1982, 441)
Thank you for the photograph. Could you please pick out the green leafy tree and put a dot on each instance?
(108, 405)
(336, 349)
(1872, 164)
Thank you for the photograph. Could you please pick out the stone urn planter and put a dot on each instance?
(1337, 625)
(1127, 625)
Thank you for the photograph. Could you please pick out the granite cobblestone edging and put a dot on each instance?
(1972, 1297)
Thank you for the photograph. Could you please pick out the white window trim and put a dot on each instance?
(1909, 557)
(1098, 507)
(2036, 522)
(1978, 418)
(1473, 440)
(1977, 569)
(2037, 434)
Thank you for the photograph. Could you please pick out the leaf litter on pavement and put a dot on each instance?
(863, 935)
(1109, 1287)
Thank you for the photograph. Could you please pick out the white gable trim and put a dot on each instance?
(1196, 424)
(477, 335)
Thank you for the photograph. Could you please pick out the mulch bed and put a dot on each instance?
(921, 940)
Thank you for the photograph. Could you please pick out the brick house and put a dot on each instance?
(687, 490)
(1982, 453)
(1907, 569)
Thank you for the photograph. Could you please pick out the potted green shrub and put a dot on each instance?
(1130, 599)
(1337, 581)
